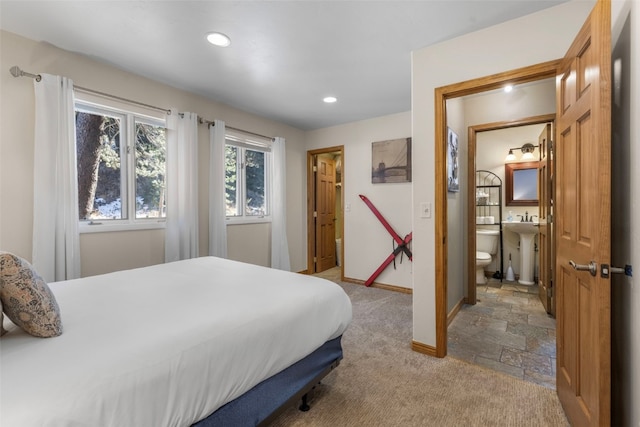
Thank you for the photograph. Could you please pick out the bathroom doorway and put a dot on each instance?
(442, 95)
(488, 145)
(325, 172)
(497, 333)
(508, 330)
(499, 348)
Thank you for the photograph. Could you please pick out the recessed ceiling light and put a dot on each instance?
(219, 39)
(508, 88)
(330, 99)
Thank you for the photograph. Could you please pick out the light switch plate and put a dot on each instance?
(425, 210)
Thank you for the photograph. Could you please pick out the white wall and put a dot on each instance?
(457, 210)
(625, 200)
(104, 252)
(525, 100)
(366, 243)
(507, 46)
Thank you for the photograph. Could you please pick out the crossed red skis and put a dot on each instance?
(402, 243)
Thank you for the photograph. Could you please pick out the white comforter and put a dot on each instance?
(165, 345)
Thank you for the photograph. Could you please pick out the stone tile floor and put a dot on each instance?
(508, 331)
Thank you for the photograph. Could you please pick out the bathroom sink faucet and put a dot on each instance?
(531, 218)
(526, 216)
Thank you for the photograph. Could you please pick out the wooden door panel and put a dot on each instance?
(325, 214)
(587, 390)
(567, 330)
(583, 167)
(544, 280)
(566, 193)
(587, 183)
(545, 235)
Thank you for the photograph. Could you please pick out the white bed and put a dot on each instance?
(165, 345)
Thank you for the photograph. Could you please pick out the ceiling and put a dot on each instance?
(284, 57)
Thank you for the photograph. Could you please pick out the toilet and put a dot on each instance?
(486, 248)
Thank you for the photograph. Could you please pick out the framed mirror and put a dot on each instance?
(521, 184)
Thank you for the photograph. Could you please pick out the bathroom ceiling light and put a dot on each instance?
(508, 88)
(218, 39)
(330, 99)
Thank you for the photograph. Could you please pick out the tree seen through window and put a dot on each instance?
(105, 170)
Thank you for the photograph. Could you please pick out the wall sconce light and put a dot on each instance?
(527, 152)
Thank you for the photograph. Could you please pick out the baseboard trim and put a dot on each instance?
(393, 288)
(423, 348)
(454, 311)
(303, 272)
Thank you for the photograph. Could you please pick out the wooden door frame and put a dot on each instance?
(471, 189)
(442, 94)
(311, 232)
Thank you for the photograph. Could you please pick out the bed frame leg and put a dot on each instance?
(304, 407)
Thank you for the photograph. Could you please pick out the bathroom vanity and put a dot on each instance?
(527, 231)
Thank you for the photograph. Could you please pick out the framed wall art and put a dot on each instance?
(391, 161)
(453, 181)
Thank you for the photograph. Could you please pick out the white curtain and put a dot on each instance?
(279, 244)
(56, 242)
(217, 194)
(181, 234)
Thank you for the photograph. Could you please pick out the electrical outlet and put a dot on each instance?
(425, 210)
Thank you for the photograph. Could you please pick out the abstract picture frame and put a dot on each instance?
(453, 179)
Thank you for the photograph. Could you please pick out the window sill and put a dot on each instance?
(110, 226)
(248, 220)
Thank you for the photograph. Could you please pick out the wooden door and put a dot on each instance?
(583, 209)
(325, 213)
(545, 237)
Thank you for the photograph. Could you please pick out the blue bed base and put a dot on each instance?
(264, 402)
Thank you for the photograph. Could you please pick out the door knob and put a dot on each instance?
(592, 268)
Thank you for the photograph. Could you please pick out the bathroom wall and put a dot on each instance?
(457, 211)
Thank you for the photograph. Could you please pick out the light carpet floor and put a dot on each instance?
(382, 382)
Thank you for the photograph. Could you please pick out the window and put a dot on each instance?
(121, 167)
(247, 178)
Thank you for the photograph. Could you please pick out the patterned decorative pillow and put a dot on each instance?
(26, 298)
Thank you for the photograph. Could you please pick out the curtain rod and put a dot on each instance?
(17, 72)
(119, 98)
(250, 133)
(211, 123)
